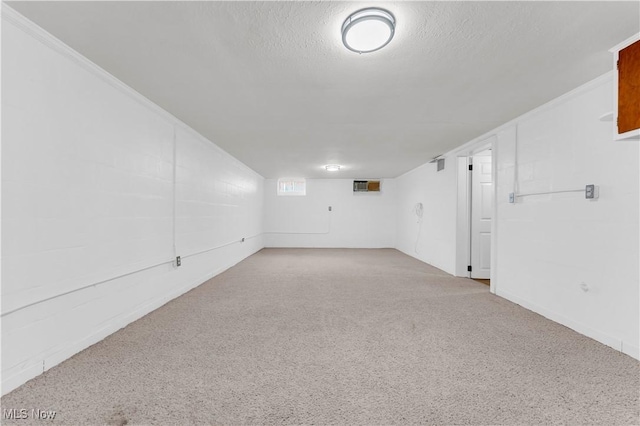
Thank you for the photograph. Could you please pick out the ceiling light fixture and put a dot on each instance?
(332, 167)
(368, 30)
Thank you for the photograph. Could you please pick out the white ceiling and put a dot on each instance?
(272, 84)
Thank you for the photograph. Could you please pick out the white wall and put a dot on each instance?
(364, 220)
(569, 259)
(99, 186)
(572, 260)
(431, 239)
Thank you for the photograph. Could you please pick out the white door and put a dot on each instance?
(481, 208)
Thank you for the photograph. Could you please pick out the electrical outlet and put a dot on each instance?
(330, 208)
(512, 197)
(178, 261)
(591, 192)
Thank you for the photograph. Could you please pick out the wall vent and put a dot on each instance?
(366, 186)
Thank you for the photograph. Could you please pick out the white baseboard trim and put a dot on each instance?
(583, 329)
(22, 376)
(449, 271)
(632, 351)
(30, 370)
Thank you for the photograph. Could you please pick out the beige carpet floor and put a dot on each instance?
(339, 336)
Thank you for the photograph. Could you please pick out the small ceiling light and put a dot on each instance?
(368, 30)
(332, 167)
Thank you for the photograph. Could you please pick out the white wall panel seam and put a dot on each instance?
(175, 166)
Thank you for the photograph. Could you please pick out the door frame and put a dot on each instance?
(463, 219)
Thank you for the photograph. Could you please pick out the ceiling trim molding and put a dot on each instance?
(30, 28)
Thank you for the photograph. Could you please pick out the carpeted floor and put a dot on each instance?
(339, 336)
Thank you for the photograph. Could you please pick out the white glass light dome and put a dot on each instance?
(368, 30)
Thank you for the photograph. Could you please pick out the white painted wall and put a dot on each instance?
(363, 220)
(545, 247)
(99, 183)
(572, 260)
(431, 239)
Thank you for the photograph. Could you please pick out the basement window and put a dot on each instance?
(292, 186)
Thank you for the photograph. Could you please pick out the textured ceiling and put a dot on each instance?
(272, 84)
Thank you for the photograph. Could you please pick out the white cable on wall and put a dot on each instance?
(221, 246)
(46, 299)
(549, 192)
(84, 287)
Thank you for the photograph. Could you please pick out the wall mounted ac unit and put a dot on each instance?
(366, 186)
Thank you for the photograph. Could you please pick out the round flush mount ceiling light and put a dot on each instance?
(332, 167)
(368, 30)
